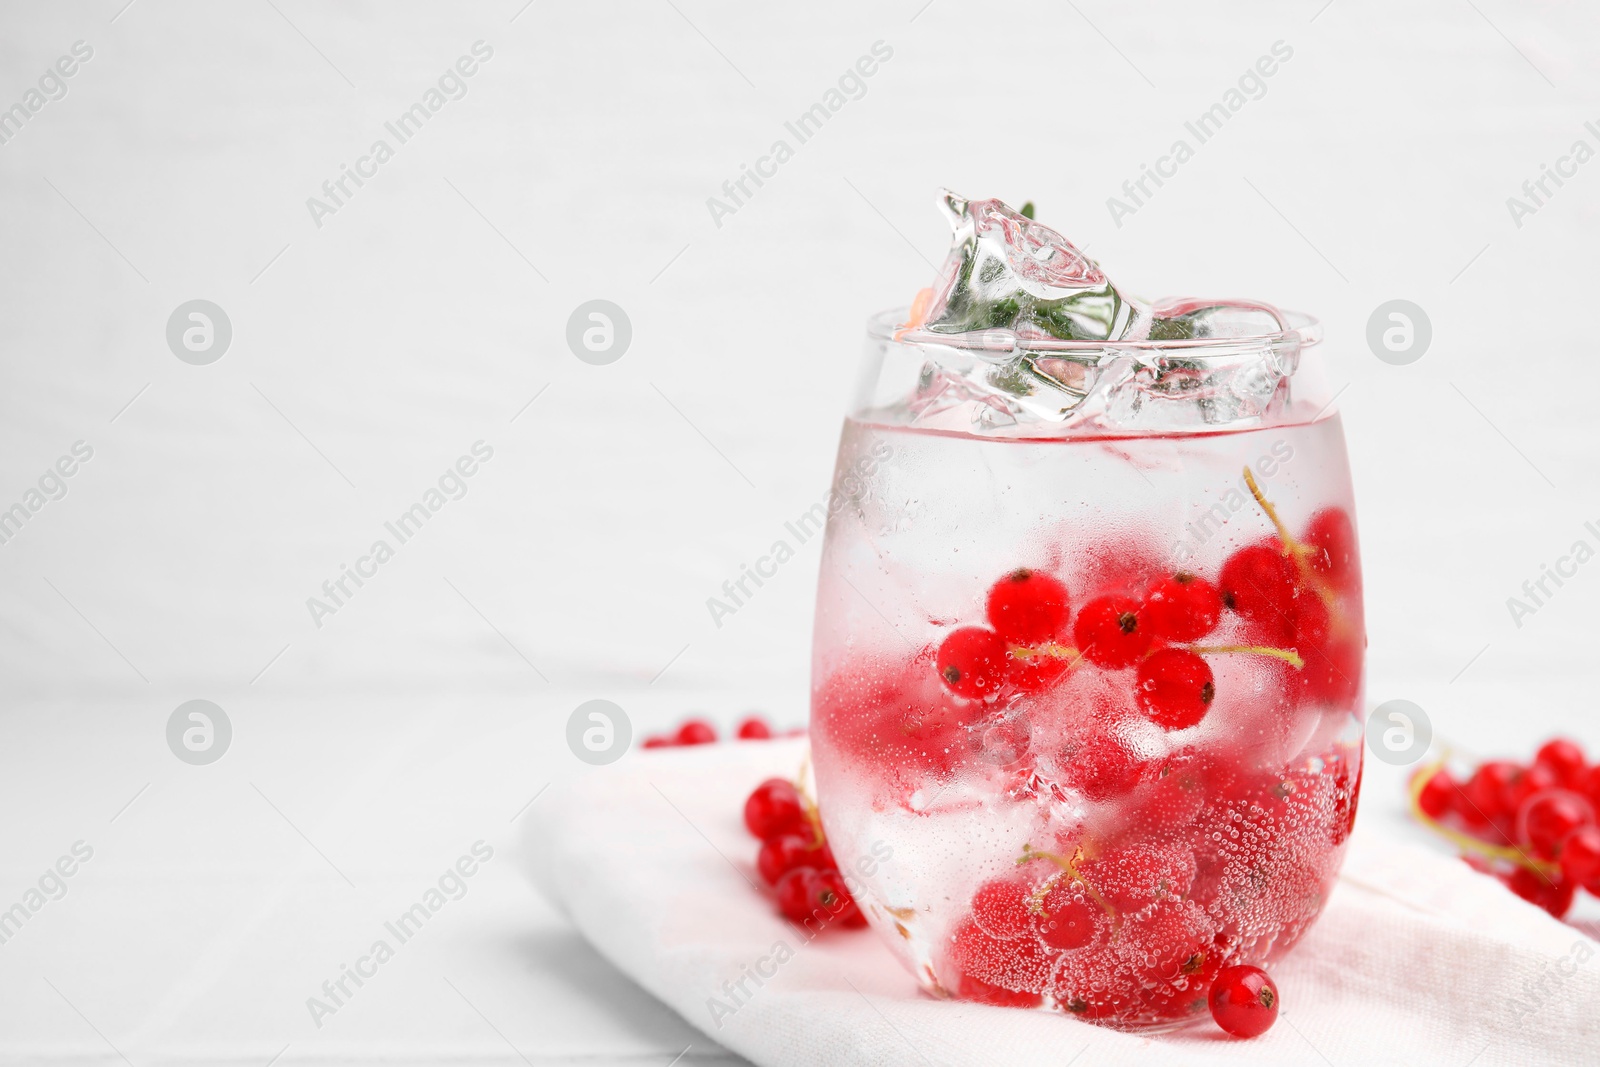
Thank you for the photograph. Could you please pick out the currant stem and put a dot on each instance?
(1466, 842)
(1055, 651)
(809, 806)
(1291, 547)
(1288, 655)
(1030, 853)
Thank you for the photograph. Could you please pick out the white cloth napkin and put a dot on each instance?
(1417, 959)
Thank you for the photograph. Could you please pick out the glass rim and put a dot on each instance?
(1304, 331)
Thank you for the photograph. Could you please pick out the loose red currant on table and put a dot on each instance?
(1110, 632)
(695, 732)
(794, 894)
(1546, 819)
(754, 728)
(1580, 858)
(1564, 759)
(1244, 1002)
(1526, 816)
(1438, 796)
(1027, 607)
(775, 808)
(795, 858)
(972, 661)
(1181, 608)
(831, 899)
(1487, 794)
(1528, 781)
(786, 852)
(1589, 785)
(1553, 894)
(1175, 688)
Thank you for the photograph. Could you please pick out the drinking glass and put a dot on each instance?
(1087, 667)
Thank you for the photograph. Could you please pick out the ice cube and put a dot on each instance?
(1007, 272)
(1012, 291)
(1186, 318)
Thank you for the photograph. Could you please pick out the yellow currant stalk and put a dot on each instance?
(1466, 842)
(1292, 547)
(1288, 655)
(808, 805)
(1067, 868)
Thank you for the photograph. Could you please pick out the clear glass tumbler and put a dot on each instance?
(1088, 662)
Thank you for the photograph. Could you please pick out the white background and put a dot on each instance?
(370, 352)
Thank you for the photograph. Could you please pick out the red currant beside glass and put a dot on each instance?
(1244, 1001)
(1533, 826)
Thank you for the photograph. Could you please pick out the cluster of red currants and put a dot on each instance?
(1530, 825)
(1111, 936)
(698, 731)
(795, 859)
(1284, 592)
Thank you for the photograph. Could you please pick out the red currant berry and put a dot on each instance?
(980, 992)
(994, 971)
(1258, 582)
(1132, 878)
(972, 662)
(1312, 622)
(1580, 858)
(1488, 792)
(1000, 908)
(1109, 631)
(1170, 802)
(782, 854)
(1437, 797)
(1244, 1001)
(1527, 782)
(657, 741)
(1554, 895)
(1332, 671)
(696, 732)
(1565, 760)
(1027, 607)
(1331, 537)
(1096, 987)
(1589, 785)
(794, 894)
(1101, 767)
(831, 900)
(1171, 940)
(1175, 688)
(1069, 919)
(1546, 818)
(754, 728)
(1181, 608)
(1346, 799)
(1036, 671)
(775, 808)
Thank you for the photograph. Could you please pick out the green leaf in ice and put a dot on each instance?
(1178, 329)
